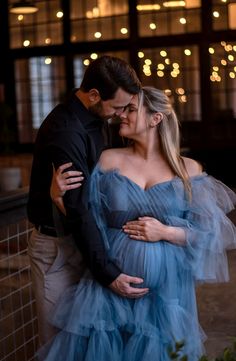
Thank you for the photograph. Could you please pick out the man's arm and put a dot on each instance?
(91, 244)
(81, 223)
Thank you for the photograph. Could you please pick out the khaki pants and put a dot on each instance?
(55, 265)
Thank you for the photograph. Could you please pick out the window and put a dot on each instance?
(224, 14)
(40, 85)
(223, 75)
(95, 20)
(83, 60)
(176, 71)
(171, 17)
(39, 29)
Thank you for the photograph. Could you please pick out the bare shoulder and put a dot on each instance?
(112, 158)
(192, 166)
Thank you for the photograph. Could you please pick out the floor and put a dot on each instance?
(217, 309)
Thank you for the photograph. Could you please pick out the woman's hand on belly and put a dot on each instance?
(150, 229)
(147, 229)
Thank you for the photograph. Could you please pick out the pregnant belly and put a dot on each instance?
(137, 258)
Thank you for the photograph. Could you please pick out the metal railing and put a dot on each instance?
(18, 322)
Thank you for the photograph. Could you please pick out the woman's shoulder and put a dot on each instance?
(112, 158)
(193, 167)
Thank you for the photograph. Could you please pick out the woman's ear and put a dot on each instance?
(156, 119)
(94, 96)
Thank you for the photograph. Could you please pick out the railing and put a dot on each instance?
(18, 322)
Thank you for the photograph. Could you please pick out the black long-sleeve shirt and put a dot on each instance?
(70, 133)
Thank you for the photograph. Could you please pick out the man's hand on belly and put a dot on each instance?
(121, 286)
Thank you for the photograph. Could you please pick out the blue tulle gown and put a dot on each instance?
(98, 325)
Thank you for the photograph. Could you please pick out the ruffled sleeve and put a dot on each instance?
(98, 199)
(209, 232)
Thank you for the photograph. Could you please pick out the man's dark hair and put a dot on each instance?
(107, 74)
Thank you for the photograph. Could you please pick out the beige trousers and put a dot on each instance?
(55, 265)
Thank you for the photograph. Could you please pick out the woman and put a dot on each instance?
(148, 192)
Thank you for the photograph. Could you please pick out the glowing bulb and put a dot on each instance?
(187, 52)
(93, 56)
(20, 17)
(59, 14)
(182, 21)
(148, 61)
(86, 62)
(140, 54)
(160, 66)
(48, 61)
(97, 35)
(163, 53)
(152, 26)
(216, 14)
(175, 65)
(223, 62)
(26, 43)
(47, 41)
(160, 73)
(124, 30)
(211, 50)
(168, 92)
(180, 91)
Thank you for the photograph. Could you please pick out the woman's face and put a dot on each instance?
(132, 124)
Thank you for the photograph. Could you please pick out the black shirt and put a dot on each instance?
(70, 133)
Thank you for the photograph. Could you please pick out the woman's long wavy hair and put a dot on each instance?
(155, 100)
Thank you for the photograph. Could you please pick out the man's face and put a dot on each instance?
(106, 109)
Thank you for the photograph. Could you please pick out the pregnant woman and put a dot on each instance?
(162, 219)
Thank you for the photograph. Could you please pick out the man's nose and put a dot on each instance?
(123, 113)
(119, 112)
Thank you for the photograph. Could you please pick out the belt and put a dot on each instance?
(49, 231)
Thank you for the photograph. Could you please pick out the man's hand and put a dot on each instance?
(121, 286)
(63, 181)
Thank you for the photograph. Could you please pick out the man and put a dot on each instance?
(74, 132)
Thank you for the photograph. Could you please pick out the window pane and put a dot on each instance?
(41, 28)
(224, 14)
(176, 71)
(83, 60)
(40, 85)
(102, 19)
(157, 20)
(223, 84)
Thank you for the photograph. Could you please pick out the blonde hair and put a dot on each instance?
(155, 101)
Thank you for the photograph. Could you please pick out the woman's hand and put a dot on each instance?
(151, 230)
(62, 182)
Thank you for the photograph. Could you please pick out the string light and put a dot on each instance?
(182, 21)
(59, 14)
(216, 14)
(124, 31)
(94, 56)
(163, 53)
(97, 35)
(86, 62)
(187, 52)
(26, 43)
(140, 54)
(48, 61)
(152, 26)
